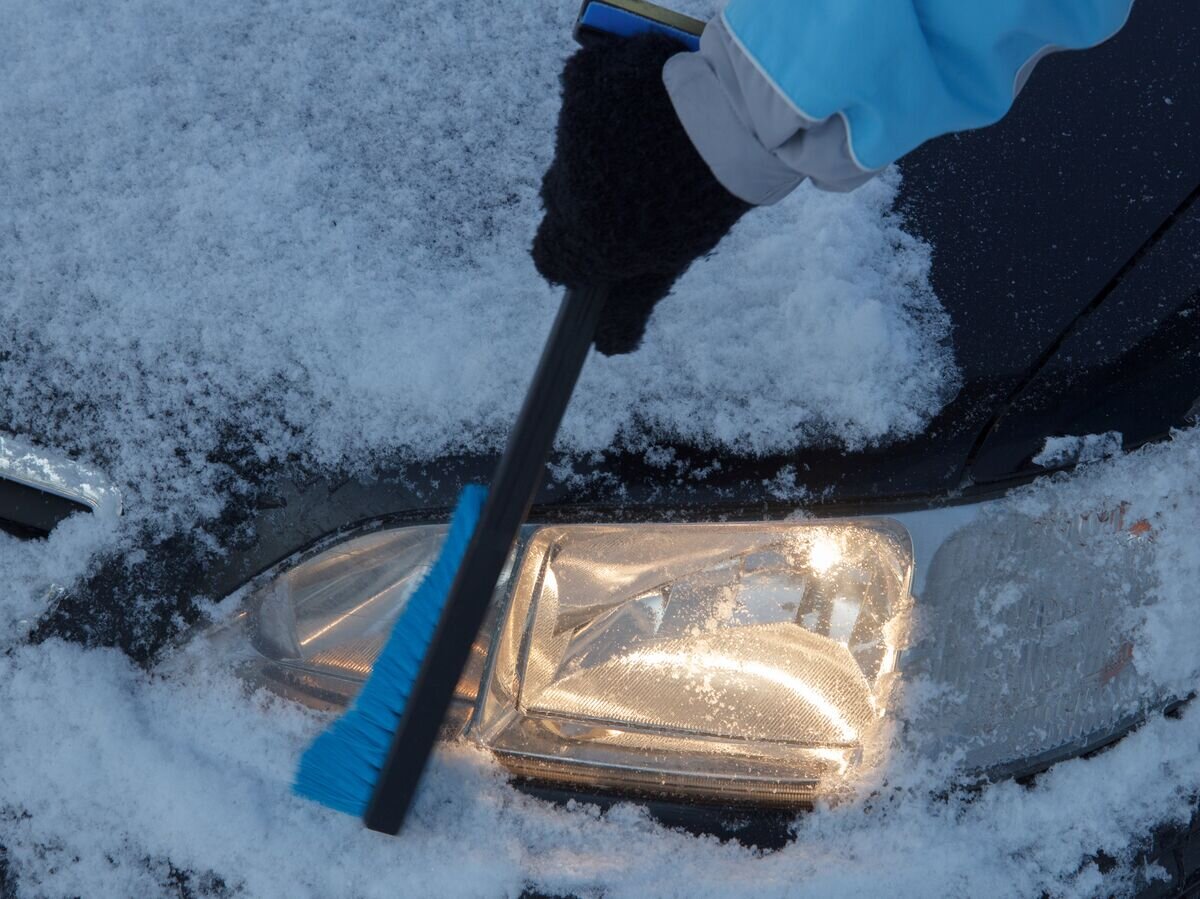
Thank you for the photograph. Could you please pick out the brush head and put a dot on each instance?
(342, 767)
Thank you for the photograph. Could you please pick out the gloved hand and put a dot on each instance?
(629, 203)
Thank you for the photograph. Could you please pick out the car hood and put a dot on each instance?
(1064, 252)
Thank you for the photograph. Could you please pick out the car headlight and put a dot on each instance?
(731, 661)
(745, 662)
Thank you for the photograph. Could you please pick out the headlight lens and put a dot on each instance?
(725, 661)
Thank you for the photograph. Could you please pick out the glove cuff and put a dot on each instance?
(733, 153)
(756, 144)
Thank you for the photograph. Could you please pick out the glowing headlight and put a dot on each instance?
(732, 661)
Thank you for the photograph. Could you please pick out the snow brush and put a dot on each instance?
(370, 760)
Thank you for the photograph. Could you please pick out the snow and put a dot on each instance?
(1061, 451)
(1155, 486)
(306, 226)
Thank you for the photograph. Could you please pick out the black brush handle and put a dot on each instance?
(510, 495)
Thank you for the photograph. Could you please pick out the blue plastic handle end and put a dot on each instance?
(599, 16)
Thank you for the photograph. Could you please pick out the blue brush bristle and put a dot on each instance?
(342, 765)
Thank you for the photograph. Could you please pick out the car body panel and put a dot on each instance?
(1132, 365)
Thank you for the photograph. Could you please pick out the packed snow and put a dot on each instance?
(307, 226)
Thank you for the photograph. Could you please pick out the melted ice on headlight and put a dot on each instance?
(732, 661)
